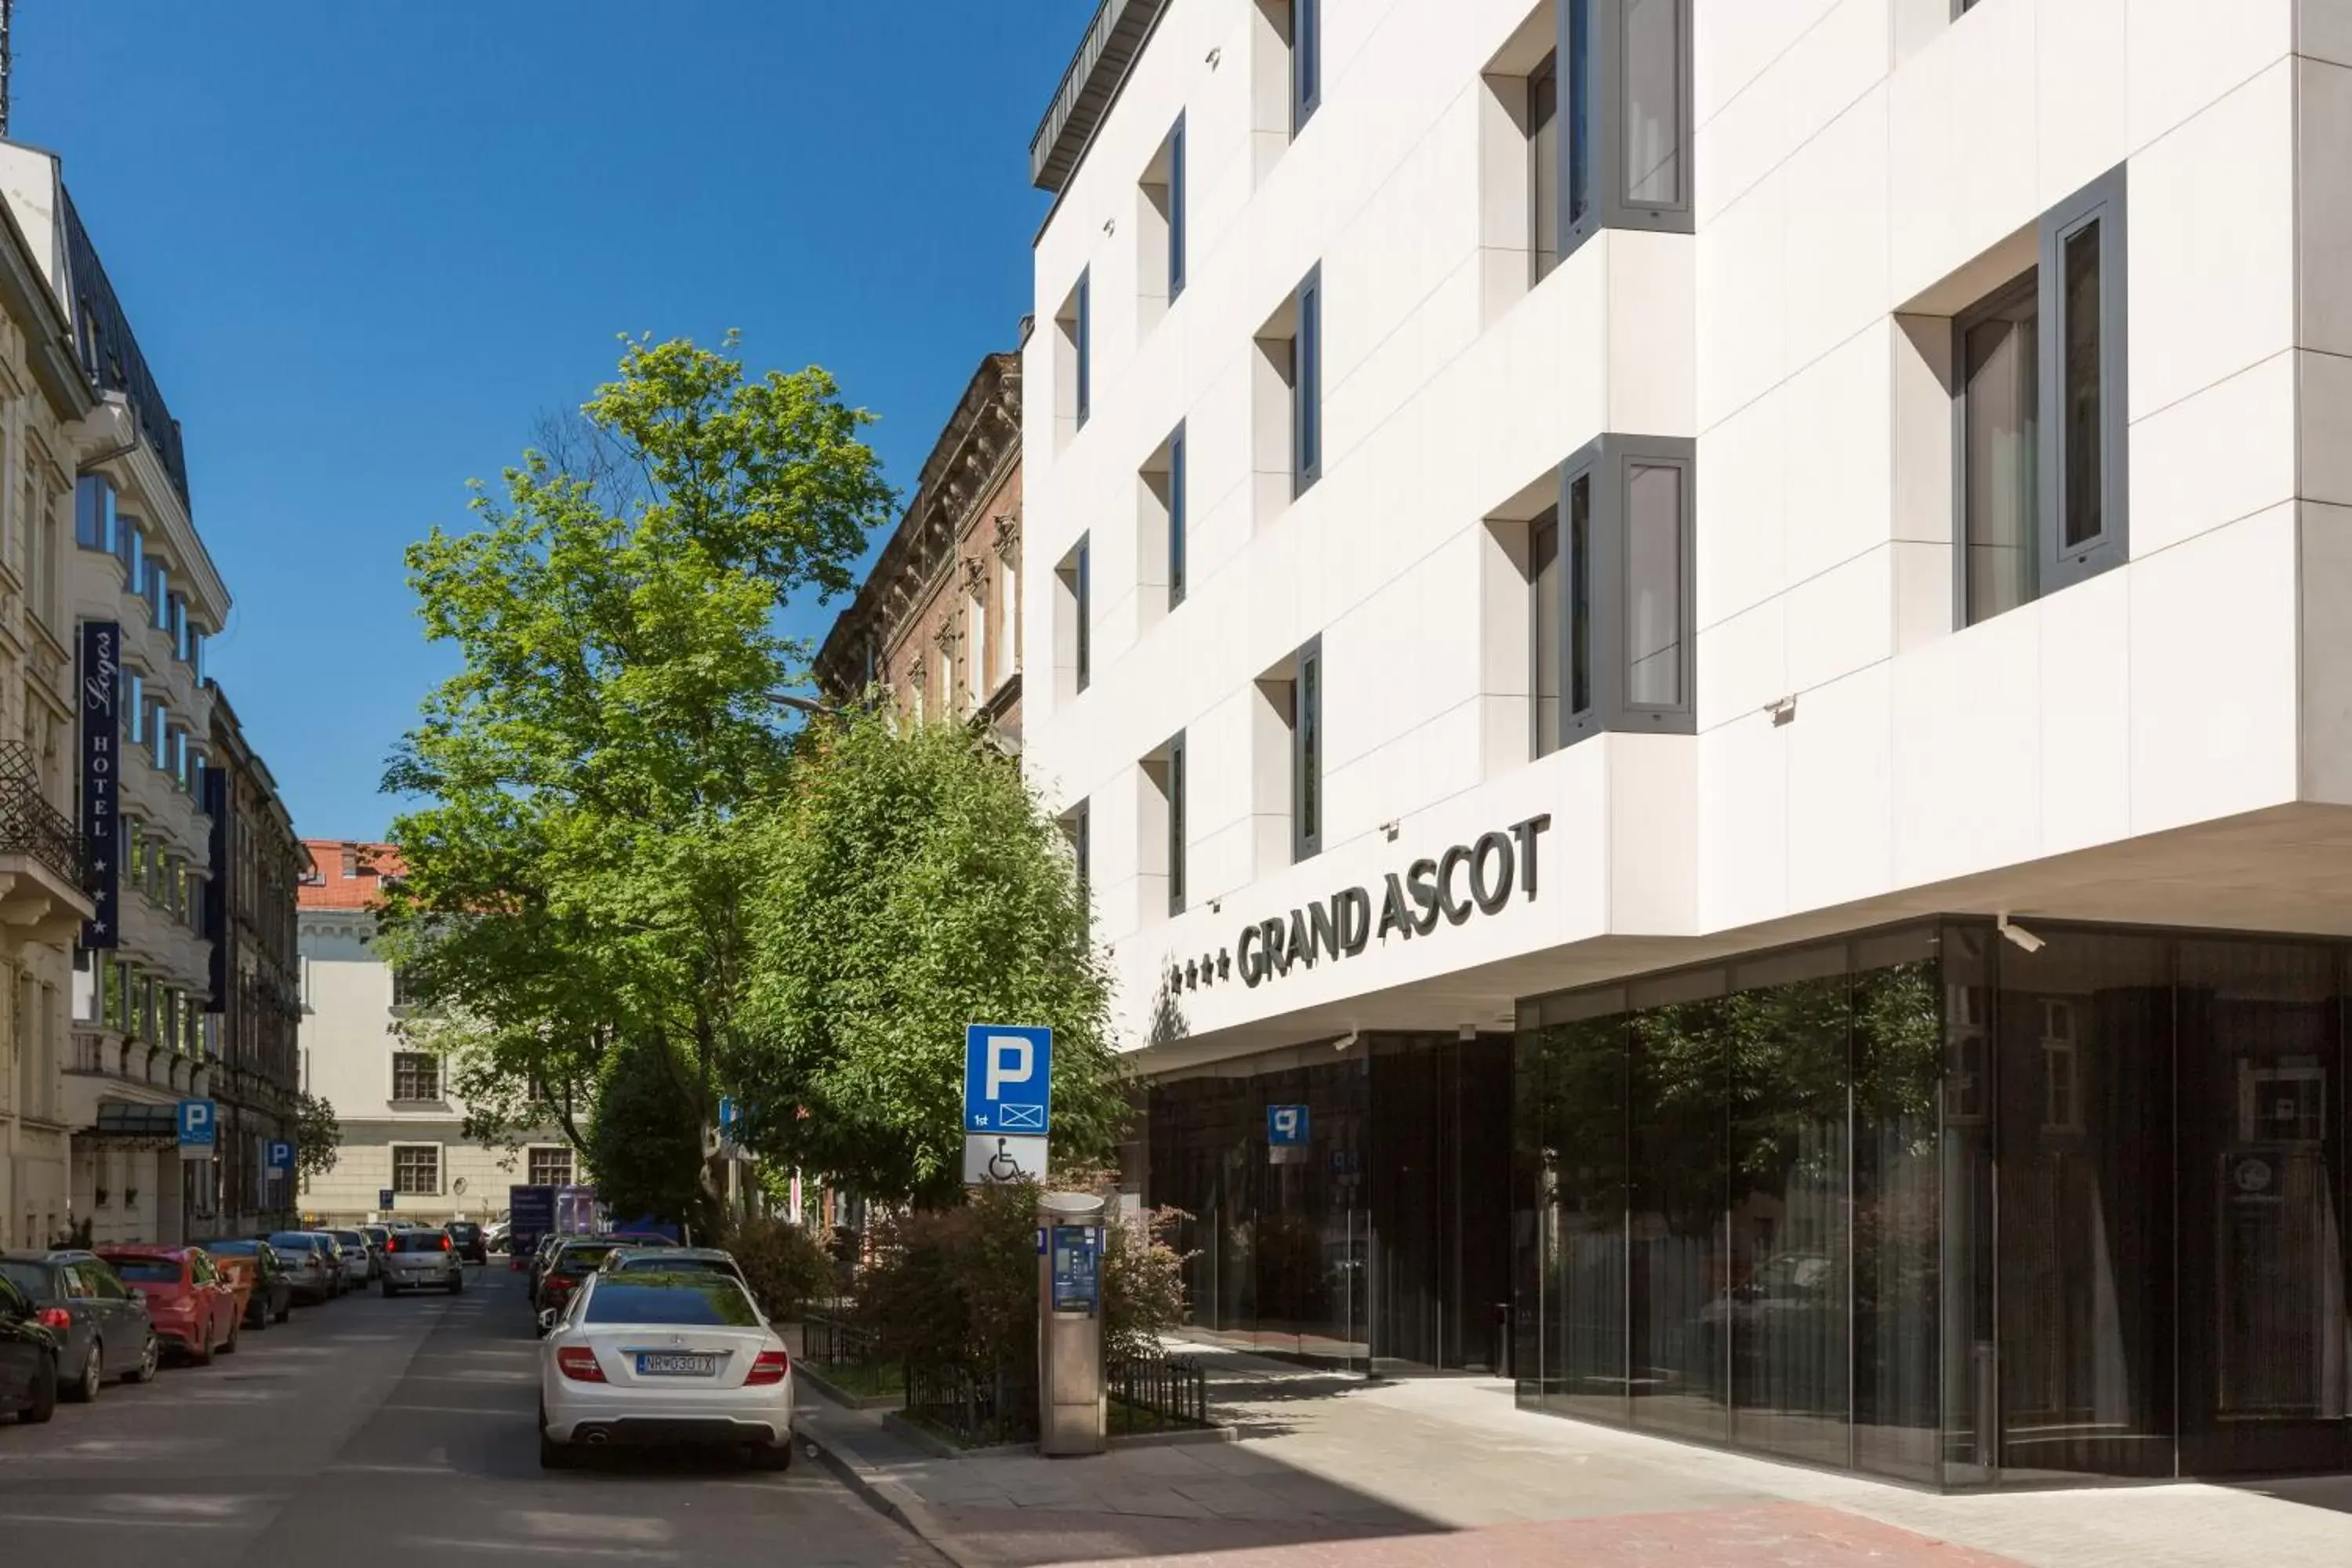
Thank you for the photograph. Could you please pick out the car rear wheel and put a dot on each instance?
(201, 1355)
(772, 1456)
(44, 1402)
(553, 1455)
(228, 1345)
(286, 1310)
(150, 1356)
(458, 1286)
(84, 1388)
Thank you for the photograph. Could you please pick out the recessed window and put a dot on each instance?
(1624, 81)
(2037, 381)
(1073, 356)
(1285, 396)
(1160, 827)
(1176, 825)
(1159, 257)
(1077, 824)
(1159, 518)
(94, 522)
(1074, 617)
(1543, 167)
(1307, 755)
(551, 1167)
(416, 1169)
(1548, 619)
(415, 1075)
(1306, 62)
(1625, 533)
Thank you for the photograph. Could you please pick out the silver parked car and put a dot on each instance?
(423, 1260)
(315, 1271)
(358, 1257)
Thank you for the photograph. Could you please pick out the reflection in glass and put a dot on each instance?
(1898, 1050)
(1675, 1229)
(1546, 609)
(1584, 1275)
(1543, 167)
(1582, 101)
(1579, 595)
(2085, 517)
(1785, 1027)
(1653, 586)
(1653, 86)
(2086, 1235)
(1999, 416)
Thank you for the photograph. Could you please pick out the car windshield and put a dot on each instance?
(147, 1271)
(582, 1260)
(32, 1278)
(301, 1240)
(696, 1299)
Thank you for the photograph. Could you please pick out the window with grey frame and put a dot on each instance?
(1307, 384)
(1082, 847)
(1082, 584)
(1306, 62)
(1547, 622)
(1543, 168)
(1626, 534)
(1176, 824)
(1176, 516)
(2038, 427)
(1085, 334)
(1624, 82)
(1307, 752)
(1176, 210)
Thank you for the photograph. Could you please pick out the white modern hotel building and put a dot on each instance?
(1697, 653)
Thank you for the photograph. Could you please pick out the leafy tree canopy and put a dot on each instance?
(575, 872)
(913, 885)
(317, 1135)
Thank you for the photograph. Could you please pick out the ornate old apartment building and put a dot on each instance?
(937, 622)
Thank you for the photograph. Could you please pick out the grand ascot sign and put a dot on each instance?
(1478, 877)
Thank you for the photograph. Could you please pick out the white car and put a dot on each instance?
(663, 1358)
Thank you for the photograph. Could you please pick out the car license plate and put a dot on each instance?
(650, 1364)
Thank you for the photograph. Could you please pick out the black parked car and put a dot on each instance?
(272, 1300)
(104, 1322)
(28, 1358)
(467, 1239)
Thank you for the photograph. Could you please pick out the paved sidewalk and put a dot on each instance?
(1445, 1473)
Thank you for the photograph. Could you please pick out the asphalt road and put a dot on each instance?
(368, 1432)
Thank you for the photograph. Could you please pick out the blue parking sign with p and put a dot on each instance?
(1008, 1075)
(281, 1155)
(198, 1123)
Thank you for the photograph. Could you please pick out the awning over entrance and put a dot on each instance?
(120, 1122)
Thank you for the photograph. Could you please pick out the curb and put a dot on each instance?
(883, 1498)
(842, 1396)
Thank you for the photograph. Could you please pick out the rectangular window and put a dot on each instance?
(1624, 163)
(1081, 826)
(1543, 166)
(1176, 825)
(415, 1075)
(134, 708)
(1176, 518)
(1176, 210)
(551, 1167)
(94, 514)
(196, 640)
(1086, 389)
(1307, 755)
(1306, 62)
(159, 727)
(1307, 386)
(416, 1169)
(1084, 590)
(1999, 378)
(159, 594)
(133, 541)
(1627, 576)
(178, 628)
(2039, 373)
(1547, 617)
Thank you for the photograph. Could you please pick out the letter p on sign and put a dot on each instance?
(1010, 1061)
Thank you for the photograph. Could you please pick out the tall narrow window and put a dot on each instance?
(1176, 824)
(1176, 518)
(94, 514)
(1081, 826)
(1085, 390)
(1176, 209)
(1305, 61)
(1626, 81)
(1546, 612)
(1627, 506)
(1998, 488)
(1307, 755)
(1307, 386)
(1543, 167)
(1086, 612)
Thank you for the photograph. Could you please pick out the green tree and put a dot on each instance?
(645, 1142)
(576, 872)
(914, 884)
(317, 1135)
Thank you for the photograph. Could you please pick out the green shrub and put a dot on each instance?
(787, 1265)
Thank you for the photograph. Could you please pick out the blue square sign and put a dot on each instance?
(281, 1155)
(1285, 1126)
(1008, 1075)
(199, 1124)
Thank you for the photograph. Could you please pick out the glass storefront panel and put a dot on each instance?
(2262, 1325)
(1971, 1385)
(1678, 1268)
(2083, 1105)
(1580, 1312)
(1788, 1311)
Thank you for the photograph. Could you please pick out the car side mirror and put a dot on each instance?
(547, 1322)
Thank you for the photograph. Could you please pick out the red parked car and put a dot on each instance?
(196, 1307)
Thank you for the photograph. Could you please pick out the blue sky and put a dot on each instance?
(365, 246)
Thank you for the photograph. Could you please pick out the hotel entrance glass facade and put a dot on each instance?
(1349, 1207)
(1925, 1203)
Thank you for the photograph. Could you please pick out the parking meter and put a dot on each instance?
(1070, 1392)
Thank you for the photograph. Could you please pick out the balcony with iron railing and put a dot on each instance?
(99, 1051)
(108, 350)
(43, 878)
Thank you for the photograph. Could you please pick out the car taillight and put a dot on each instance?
(445, 1244)
(56, 1318)
(557, 1282)
(577, 1362)
(770, 1367)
